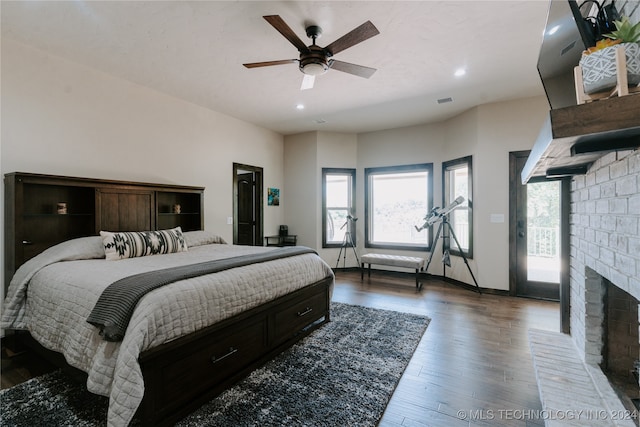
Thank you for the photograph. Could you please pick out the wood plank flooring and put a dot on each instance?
(473, 366)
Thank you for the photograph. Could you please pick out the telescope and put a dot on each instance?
(349, 218)
(440, 214)
(436, 214)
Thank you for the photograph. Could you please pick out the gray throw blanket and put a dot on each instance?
(114, 308)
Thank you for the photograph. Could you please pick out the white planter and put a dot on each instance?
(599, 68)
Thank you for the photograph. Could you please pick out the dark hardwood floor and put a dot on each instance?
(473, 366)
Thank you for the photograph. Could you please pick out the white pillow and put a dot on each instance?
(142, 243)
(202, 237)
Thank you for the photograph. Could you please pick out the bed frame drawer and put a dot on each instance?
(294, 318)
(212, 361)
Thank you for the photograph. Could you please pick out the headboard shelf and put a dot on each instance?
(44, 210)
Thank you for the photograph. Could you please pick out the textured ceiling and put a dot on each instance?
(195, 51)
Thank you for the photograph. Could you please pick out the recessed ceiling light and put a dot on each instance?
(300, 107)
(460, 72)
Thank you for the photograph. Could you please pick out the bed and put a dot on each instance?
(185, 341)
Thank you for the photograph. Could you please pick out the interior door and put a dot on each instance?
(246, 211)
(538, 235)
(247, 205)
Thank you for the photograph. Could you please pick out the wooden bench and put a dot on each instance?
(415, 263)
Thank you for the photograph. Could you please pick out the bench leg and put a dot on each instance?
(362, 271)
(369, 271)
(418, 284)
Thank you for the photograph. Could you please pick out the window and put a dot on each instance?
(397, 200)
(338, 201)
(456, 182)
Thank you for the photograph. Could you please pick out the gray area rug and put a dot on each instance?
(342, 374)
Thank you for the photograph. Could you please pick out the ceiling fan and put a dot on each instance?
(315, 60)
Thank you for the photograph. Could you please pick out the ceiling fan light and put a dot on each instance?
(314, 68)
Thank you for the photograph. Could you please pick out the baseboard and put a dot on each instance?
(435, 276)
(472, 287)
(346, 269)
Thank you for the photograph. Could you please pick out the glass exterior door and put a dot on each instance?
(543, 232)
(539, 235)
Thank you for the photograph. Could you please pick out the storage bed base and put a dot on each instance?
(185, 373)
(182, 375)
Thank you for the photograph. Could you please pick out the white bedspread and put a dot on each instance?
(53, 294)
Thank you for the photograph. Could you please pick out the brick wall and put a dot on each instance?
(605, 242)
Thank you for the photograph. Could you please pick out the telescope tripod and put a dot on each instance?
(443, 224)
(347, 241)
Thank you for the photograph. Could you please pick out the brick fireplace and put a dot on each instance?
(605, 249)
(593, 371)
(605, 263)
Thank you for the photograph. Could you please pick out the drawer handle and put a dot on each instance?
(218, 359)
(305, 312)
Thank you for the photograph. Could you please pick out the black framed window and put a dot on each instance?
(397, 198)
(457, 181)
(338, 203)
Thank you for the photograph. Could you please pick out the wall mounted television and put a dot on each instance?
(566, 35)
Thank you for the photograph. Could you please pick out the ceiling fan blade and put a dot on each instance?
(355, 36)
(269, 63)
(356, 70)
(307, 82)
(286, 31)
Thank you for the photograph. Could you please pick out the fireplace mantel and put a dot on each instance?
(572, 138)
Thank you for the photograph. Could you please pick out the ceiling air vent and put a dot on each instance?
(568, 48)
(444, 100)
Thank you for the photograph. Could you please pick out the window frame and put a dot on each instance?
(420, 167)
(352, 200)
(468, 160)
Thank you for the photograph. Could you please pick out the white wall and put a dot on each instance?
(300, 163)
(305, 156)
(335, 150)
(61, 118)
(502, 127)
(461, 140)
(488, 133)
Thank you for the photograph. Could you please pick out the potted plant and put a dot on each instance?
(598, 63)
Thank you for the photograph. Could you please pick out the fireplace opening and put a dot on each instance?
(621, 343)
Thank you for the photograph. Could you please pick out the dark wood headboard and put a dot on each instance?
(44, 210)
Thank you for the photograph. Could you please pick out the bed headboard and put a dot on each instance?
(44, 210)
